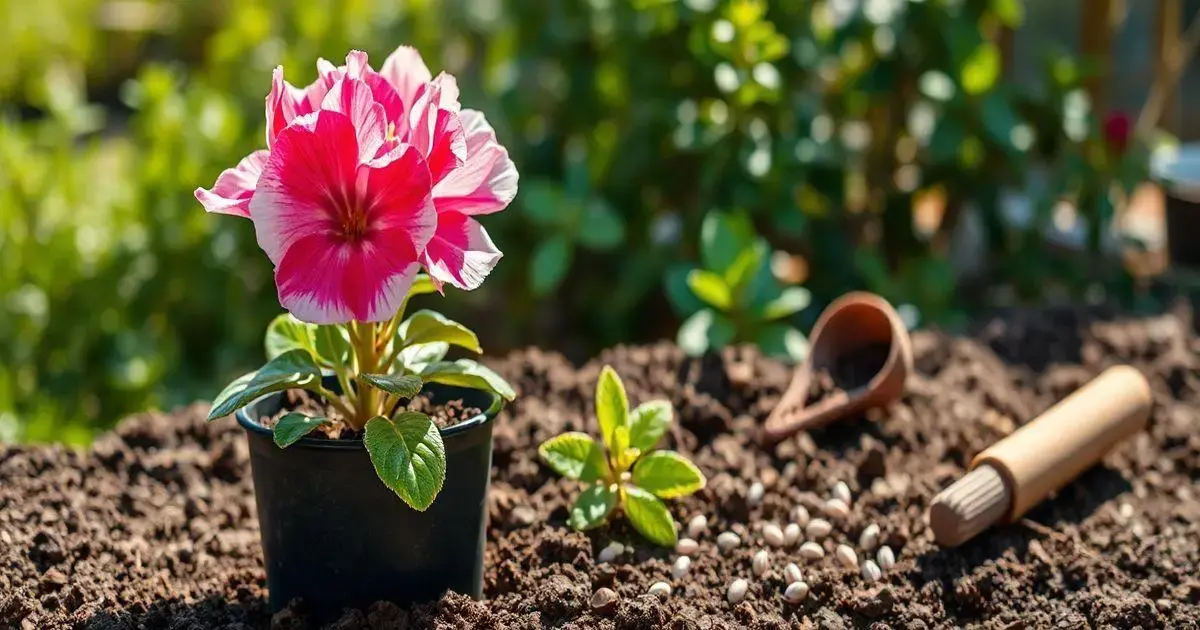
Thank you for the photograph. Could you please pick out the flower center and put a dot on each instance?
(351, 219)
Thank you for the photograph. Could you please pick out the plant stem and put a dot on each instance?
(362, 337)
(337, 402)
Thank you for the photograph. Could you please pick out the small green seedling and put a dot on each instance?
(624, 472)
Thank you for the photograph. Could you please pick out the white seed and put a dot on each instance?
(811, 551)
(791, 534)
(791, 573)
(869, 539)
(886, 558)
(837, 509)
(737, 590)
(755, 495)
(728, 540)
(842, 491)
(660, 589)
(795, 592)
(697, 525)
(773, 535)
(818, 528)
(687, 547)
(871, 571)
(610, 553)
(847, 556)
(760, 563)
(681, 566)
(800, 515)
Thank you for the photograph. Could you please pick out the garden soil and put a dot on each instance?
(155, 526)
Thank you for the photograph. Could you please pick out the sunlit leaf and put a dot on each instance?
(667, 475)
(592, 507)
(612, 407)
(649, 515)
(408, 456)
(290, 428)
(292, 369)
(575, 455)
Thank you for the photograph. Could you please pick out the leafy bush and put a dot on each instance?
(825, 124)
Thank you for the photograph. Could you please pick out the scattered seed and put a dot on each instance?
(760, 563)
(842, 491)
(818, 528)
(687, 547)
(773, 535)
(661, 590)
(847, 556)
(792, 573)
(728, 540)
(737, 590)
(795, 592)
(871, 571)
(1126, 511)
(886, 558)
(697, 525)
(800, 515)
(604, 599)
(681, 566)
(610, 553)
(811, 551)
(755, 495)
(869, 538)
(837, 509)
(791, 534)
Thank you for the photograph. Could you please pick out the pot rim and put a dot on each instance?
(253, 426)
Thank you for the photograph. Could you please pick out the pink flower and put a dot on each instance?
(367, 177)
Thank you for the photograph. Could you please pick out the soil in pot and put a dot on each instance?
(154, 525)
(445, 414)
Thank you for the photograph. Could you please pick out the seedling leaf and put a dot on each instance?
(290, 428)
(592, 507)
(710, 288)
(292, 369)
(575, 455)
(402, 385)
(791, 301)
(667, 475)
(649, 515)
(648, 423)
(408, 456)
(612, 407)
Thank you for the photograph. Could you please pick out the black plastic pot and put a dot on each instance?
(1179, 175)
(335, 536)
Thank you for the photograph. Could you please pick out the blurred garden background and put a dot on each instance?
(952, 155)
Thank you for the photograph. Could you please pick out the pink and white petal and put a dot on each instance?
(353, 98)
(399, 195)
(234, 186)
(461, 252)
(327, 281)
(356, 64)
(324, 67)
(310, 172)
(436, 129)
(283, 104)
(406, 72)
(487, 180)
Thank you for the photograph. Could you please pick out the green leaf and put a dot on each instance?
(999, 119)
(408, 456)
(710, 288)
(667, 475)
(648, 423)
(679, 294)
(402, 385)
(744, 265)
(417, 356)
(292, 369)
(422, 285)
(705, 330)
(542, 201)
(1010, 12)
(649, 516)
(600, 227)
(722, 237)
(427, 326)
(981, 69)
(612, 407)
(575, 455)
(592, 507)
(467, 373)
(285, 332)
(333, 344)
(791, 301)
(550, 261)
(294, 426)
(783, 342)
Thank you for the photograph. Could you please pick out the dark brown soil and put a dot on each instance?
(443, 415)
(154, 527)
(849, 372)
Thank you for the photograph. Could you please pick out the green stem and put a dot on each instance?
(362, 336)
(337, 402)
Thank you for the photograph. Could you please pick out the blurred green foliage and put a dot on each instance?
(820, 122)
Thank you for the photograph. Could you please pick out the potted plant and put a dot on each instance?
(357, 421)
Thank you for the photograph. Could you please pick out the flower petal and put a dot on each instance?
(435, 128)
(461, 252)
(314, 161)
(283, 104)
(406, 72)
(234, 186)
(353, 98)
(356, 64)
(325, 281)
(487, 180)
(399, 195)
